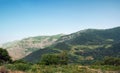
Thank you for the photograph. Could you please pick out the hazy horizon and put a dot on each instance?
(50, 35)
(26, 18)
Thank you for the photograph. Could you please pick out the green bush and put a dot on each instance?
(18, 66)
(55, 59)
(49, 59)
(111, 61)
(63, 58)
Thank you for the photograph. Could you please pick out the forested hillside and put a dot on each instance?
(85, 46)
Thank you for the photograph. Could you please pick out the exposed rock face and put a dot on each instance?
(22, 48)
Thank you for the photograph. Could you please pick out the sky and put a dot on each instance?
(25, 18)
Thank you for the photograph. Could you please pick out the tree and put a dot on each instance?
(49, 59)
(111, 61)
(55, 59)
(63, 57)
(4, 56)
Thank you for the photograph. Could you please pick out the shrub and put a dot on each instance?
(63, 58)
(19, 66)
(49, 59)
(55, 59)
(111, 61)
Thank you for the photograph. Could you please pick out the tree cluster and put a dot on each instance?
(111, 61)
(4, 56)
(55, 59)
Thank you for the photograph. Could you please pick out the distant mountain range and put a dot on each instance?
(84, 46)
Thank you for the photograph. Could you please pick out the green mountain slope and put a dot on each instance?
(92, 36)
(84, 46)
(22, 48)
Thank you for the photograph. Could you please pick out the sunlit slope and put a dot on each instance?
(22, 48)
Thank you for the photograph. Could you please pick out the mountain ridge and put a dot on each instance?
(79, 45)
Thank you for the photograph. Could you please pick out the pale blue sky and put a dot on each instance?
(25, 18)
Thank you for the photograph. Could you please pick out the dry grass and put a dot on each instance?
(3, 70)
(16, 72)
(56, 69)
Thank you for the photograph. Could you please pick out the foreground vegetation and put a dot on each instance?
(56, 63)
(36, 68)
